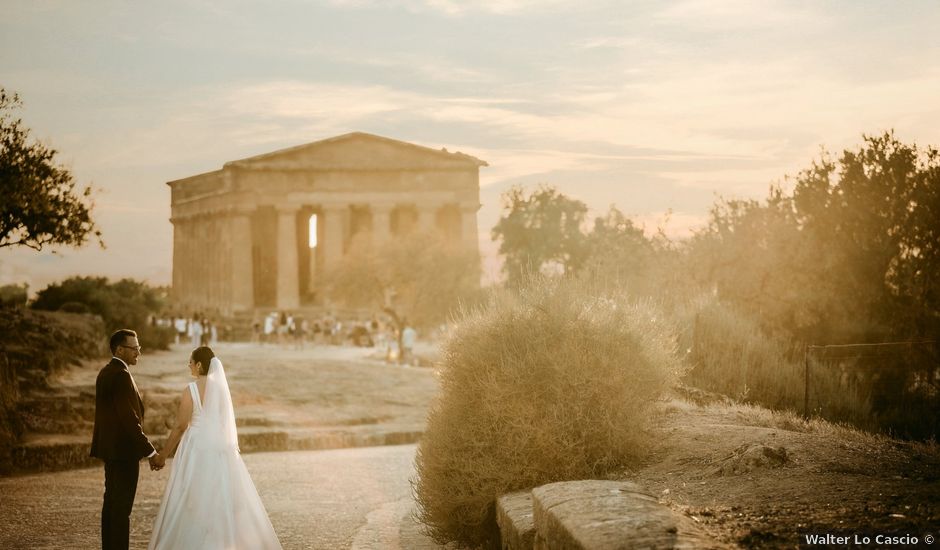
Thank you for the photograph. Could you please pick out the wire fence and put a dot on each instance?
(891, 386)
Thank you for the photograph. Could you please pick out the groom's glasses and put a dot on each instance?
(136, 348)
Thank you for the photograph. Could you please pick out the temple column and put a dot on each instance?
(177, 260)
(218, 271)
(196, 289)
(203, 258)
(242, 264)
(190, 273)
(225, 265)
(427, 215)
(333, 234)
(381, 223)
(212, 255)
(288, 286)
(468, 225)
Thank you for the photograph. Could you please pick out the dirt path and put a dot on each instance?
(762, 479)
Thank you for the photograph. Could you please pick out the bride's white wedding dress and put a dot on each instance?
(210, 501)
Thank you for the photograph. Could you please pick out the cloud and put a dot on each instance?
(749, 15)
(461, 7)
(317, 102)
(734, 115)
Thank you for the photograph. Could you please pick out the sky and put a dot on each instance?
(658, 107)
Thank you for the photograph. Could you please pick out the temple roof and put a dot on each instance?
(365, 141)
(355, 151)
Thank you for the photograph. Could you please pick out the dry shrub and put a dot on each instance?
(730, 354)
(546, 385)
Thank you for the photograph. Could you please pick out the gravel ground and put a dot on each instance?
(283, 387)
(346, 498)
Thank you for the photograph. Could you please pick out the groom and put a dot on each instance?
(119, 438)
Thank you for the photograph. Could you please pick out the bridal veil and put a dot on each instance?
(218, 416)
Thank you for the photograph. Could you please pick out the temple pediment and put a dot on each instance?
(265, 231)
(359, 151)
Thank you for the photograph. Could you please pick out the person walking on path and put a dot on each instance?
(408, 338)
(118, 438)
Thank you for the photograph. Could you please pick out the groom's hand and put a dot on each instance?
(157, 462)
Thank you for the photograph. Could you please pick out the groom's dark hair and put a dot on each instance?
(119, 337)
(203, 355)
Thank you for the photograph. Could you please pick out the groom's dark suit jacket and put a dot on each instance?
(119, 416)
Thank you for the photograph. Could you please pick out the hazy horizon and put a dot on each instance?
(652, 106)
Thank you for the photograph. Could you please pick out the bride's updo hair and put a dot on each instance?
(203, 355)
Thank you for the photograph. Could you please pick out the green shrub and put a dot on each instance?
(34, 346)
(74, 307)
(547, 385)
(13, 295)
(155, 337)
(46, 342)
(123, 304)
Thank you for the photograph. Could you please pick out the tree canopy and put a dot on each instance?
(41, 204)
(541, 231)
(851, 254)
(545, 233)
(621, 255)
(417, 277)
(122, 304)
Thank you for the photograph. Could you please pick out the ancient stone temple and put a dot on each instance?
(261, 231)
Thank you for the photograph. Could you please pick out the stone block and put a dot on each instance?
(514, 517)
(609, 515)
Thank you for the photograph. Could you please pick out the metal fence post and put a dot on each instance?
(806, 382)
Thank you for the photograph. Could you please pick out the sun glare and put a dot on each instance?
(313, 231)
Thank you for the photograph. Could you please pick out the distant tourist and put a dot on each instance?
(381, 338)
(195, 332)
(408, 337)
(206, 334)
(393, 354)
(282, 327)
(181, 327)
(316, 331)
(301, 330)
(338, 333)
(269, 327)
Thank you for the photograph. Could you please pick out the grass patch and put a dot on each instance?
(729, 353)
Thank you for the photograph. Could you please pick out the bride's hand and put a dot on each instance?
(157, 462)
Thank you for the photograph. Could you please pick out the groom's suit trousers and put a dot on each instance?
(120, 486)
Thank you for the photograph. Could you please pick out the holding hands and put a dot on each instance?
(157, 462)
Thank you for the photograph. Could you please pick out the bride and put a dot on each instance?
(210, 501)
